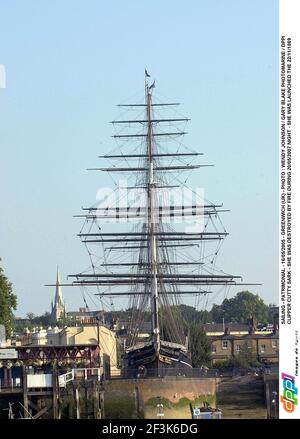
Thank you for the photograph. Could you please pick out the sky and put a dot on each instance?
(68, 63)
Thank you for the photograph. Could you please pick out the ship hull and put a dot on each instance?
(144, 362)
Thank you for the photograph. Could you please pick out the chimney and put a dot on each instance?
(252, 325)
(227, 331)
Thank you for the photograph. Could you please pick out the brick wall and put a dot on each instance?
(139, 397)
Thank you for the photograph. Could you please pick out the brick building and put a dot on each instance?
(263, 345)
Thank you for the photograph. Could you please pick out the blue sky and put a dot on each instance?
(68, 63)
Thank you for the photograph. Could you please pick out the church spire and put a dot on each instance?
(58, 293)
(58, 308)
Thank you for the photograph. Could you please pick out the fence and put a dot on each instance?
(80, 374)
(193, 372)
(168, 372)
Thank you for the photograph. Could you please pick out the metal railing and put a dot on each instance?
(79, 374)
(193, 372)
(168, 372)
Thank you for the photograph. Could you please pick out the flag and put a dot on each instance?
(152, 85)
(147, 74)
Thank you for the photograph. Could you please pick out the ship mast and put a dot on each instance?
(152, 225)
(155, 278)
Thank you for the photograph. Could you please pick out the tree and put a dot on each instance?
(240, 308)
(31, 321)
(30, 316)
(66, 321)
(246, 357)
(8, 303)
(44, 319)
(200, 346)
(192, 315)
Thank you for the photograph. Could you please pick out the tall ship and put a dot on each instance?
(153, 240)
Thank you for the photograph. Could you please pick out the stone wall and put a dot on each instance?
(139, 398)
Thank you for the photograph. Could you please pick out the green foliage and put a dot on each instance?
(43, 320)
(273, 314)
(153, 402)
(183, 402)
(32, 321)
(200, 346)
(170, 330)
(240, 308)
(30, 316)
(237, 309)
(223, 364)
(119, 407)
(246, 357)
(8, 303)
(191, 315)
(65, 321)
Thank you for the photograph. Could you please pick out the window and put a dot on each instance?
(263, 348)
(213, 349)
(274, 343)
(224, 344)
(238, 348)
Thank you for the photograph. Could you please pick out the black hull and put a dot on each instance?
(144, 362)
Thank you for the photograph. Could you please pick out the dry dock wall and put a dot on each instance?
(139, 398)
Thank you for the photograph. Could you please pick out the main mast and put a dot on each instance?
(153, 260)
(154, 276)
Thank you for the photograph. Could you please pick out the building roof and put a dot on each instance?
(243, 337)
(82, 313)
(219, 327)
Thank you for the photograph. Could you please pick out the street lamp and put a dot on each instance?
(98, 341)
(274, 403)
(160, 408)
